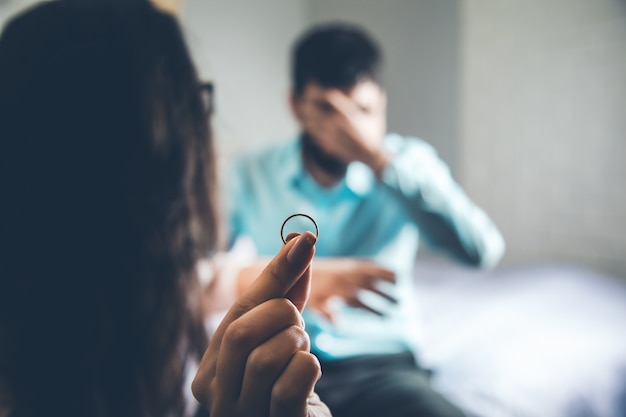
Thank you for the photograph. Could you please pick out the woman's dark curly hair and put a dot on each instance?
(107, 189)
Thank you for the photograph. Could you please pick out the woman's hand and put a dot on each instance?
(258, 361)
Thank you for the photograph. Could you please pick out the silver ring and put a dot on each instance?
(282, 228)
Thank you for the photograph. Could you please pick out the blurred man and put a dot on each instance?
(373, 194)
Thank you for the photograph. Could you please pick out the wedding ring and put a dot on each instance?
(282, 229)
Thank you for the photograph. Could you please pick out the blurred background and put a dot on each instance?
(525, 99)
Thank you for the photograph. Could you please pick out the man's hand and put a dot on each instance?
(258, 361)
(346, 278)
(350, 126)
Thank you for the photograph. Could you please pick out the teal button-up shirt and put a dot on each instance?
(362, 216)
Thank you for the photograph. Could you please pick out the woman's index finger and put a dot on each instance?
(278, 277)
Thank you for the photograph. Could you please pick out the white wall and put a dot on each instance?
(241, 45)
(543, 137)
(9, 8)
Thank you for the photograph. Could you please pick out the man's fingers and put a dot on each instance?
(380, 273)
(355, 302)
(341, 103)
(382, 293)
(323, 307)
(372, 279)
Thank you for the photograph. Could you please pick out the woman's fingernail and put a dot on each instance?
(301, 249)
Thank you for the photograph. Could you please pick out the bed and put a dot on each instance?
(534, 341)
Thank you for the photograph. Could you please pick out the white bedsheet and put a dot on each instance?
(542, 341)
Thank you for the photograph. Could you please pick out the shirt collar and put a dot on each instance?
(293, 167)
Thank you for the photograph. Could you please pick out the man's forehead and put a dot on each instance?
(363, 91)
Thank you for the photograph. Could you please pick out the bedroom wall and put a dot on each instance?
(543, 126)
(241, 45)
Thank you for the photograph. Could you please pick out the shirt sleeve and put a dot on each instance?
(445, 215)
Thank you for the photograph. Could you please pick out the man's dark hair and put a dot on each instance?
(335, 55)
